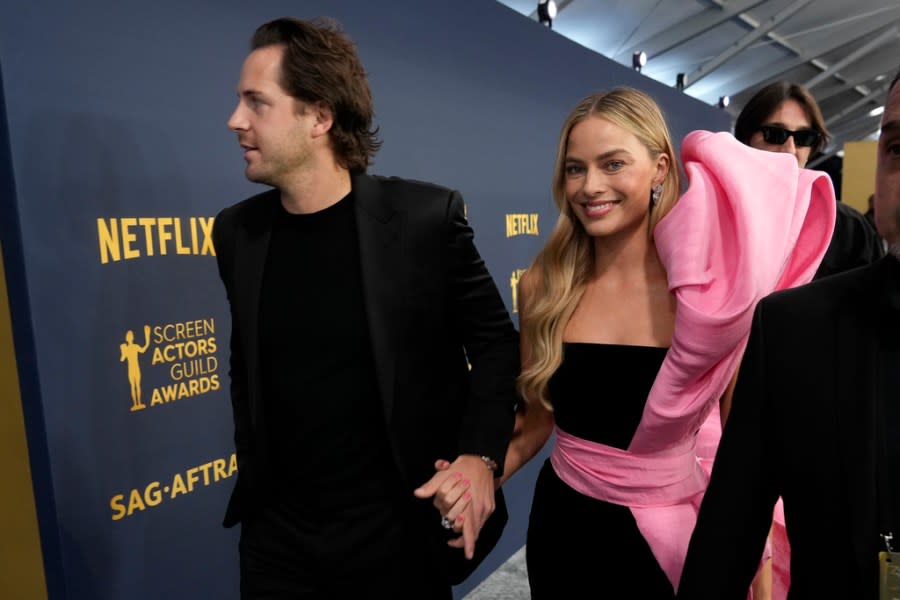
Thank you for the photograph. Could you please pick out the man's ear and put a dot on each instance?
(324, 118)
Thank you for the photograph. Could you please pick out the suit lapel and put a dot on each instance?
(254, 246)
(856, 394)
(379, 228)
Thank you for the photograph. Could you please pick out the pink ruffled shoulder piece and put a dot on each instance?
(750, 223)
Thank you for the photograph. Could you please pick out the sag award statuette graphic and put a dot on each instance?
(514, 288)
(179, 361)
(129, 352)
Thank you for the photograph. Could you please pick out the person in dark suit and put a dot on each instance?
(784, 117)
(816, 420)
(368, 341)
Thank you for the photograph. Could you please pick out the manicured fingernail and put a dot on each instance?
(458, 475)
(467, 495)
(465, 482)
(460, 519)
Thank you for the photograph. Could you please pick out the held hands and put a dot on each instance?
(463, 493)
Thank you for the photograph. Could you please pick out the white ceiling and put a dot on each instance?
(845, 51)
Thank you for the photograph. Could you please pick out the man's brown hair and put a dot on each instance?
(320, 65)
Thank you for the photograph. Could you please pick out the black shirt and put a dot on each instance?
(323, 414)
(854, 243)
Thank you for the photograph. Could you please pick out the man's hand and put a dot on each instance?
(463, 492)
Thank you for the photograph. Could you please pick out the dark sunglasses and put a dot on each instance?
(773, 134)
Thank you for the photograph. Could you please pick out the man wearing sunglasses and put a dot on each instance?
(784, 117)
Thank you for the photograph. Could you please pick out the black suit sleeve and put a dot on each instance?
(736, 513)
(480, 318)
(223, 241)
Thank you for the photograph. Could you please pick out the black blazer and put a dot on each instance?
(803, 427)
(432, 309)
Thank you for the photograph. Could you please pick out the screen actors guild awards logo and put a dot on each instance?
(179, 362)
(129, 351)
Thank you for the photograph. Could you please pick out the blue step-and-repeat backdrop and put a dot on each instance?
(114, 159)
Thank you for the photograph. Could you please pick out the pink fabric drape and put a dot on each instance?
(750, 223)
(781, 555)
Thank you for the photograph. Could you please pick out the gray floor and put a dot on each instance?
(509, 582)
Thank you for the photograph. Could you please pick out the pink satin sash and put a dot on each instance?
(662, 478)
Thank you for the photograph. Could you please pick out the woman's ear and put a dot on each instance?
(662, 168)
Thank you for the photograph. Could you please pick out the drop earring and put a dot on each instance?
(655, 195)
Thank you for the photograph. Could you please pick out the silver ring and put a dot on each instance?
(446, 523)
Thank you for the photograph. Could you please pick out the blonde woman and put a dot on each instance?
(596, 320)
(633, 320)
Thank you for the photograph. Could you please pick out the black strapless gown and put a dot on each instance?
(577, 546)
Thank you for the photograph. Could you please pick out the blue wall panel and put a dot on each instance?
(117, 111)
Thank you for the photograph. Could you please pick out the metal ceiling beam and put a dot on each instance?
(850, 127)
(882, 39)
(766, 73)
(873, 96)
(848, 110)
(688, 29)
(862, 130)
(856, 84)
(744, 42)
(853, 130)
(773, 70)
(872, 128)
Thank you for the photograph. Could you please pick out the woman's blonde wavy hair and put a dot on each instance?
(559, 274)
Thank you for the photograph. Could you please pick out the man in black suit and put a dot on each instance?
(358, 304)
(815, 419)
